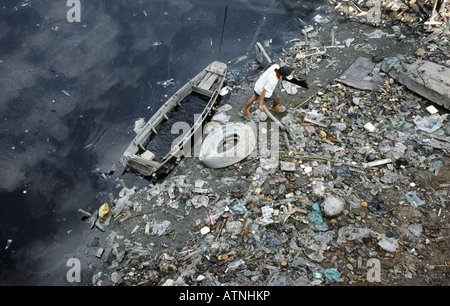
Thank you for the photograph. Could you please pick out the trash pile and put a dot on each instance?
(429, 18)
(358, 193)
(346, 194)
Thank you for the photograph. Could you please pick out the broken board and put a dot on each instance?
(360, 75)
(427, 79)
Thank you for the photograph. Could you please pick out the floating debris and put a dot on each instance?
(8, 243)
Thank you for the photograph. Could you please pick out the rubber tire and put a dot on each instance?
(212, 155)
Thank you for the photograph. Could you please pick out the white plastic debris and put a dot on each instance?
(267, 212)
(138, 125)
(432, 110)
(204, 230)
(287, 166)
(369, 127)
(235, 264)
(290, 88)
(167, 82)
(8, 243)
(333, 206)
(428, 124)
(199, 200)
(221, 117)
(160, 228)
(148, 155)
(308, 169)
(348, 42)
(225, 90)
(377, 163)
(234, 227)
(388, 244)
(320, 19)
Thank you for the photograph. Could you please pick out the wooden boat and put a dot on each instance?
(207, 83)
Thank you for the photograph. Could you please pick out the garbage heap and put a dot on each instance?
(430, 20)
(357, 195)
(345, 194)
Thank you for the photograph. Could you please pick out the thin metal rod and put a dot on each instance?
(223, 30)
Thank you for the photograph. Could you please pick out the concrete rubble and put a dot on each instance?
(362, 173)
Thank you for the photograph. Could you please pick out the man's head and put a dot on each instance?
(285, 71)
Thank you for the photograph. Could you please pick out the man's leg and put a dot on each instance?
(275, 104)
(249, 103)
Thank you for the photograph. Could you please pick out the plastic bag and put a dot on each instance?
(332, 274)
(428, 124)
(103, 210)
(413, 199)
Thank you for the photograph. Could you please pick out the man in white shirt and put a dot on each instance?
(264, 89)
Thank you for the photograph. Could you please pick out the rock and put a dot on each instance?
(333, 206)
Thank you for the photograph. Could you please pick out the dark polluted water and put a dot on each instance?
(70, 93)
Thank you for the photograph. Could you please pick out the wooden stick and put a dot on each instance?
(315, 122)
(264, 53)
(305, 101)
(286, 139)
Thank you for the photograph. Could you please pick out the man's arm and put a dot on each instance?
(262, 107)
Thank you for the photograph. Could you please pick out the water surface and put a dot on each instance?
(70, 94)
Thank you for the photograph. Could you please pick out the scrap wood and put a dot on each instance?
(305, 101)
(286, 139)
(193, 253)
(289, 210)
(260, 52)
(436, 144)
(317, 157)
(315, 122)
(302, 55)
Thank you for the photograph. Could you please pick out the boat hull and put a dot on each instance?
(137, 158)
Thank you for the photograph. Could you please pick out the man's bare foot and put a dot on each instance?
(245, 113)
(278, 108)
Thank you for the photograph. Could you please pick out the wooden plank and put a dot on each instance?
(141, 165)
(215, 71)
(202, 91)
(204, 79)
(207, 85)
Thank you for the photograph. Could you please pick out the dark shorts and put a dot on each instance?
(271, 98)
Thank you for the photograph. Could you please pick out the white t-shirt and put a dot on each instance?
(268, 81)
